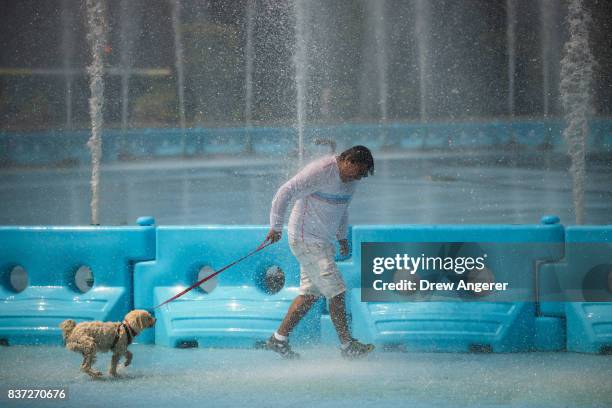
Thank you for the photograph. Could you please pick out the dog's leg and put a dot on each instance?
(87, 346)
(113, 367)
(128, 358)
(88, 362)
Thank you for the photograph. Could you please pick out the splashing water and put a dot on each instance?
(421, 28)
(67, 47)
(511, 40)
(128, 22)
(381, 57)
(549, 11)
(180, 76)
(248, 80)
(254, 378)
(300, 61)
(575, 88)
(96, 37)
(545, 21)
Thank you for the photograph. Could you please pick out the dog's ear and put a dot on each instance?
(133, 319)
(141, 318)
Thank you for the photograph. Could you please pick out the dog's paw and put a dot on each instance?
(95, 374)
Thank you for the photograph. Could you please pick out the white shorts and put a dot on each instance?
(319, 274)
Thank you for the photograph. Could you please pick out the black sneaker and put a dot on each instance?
(354, 349)
(281, 347)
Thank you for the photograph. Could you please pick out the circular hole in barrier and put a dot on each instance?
(273, 279)
(410, 281)
(84, 279)
(18, 278)
(597, 284)
(480, 276)
(209, 285)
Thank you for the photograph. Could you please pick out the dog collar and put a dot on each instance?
(128, 330)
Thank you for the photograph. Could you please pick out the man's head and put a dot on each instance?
(355, 163)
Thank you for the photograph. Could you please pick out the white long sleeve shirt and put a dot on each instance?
(320, 213)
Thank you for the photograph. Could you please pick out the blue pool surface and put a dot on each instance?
(163, 377)
(407, 188)
(61, 147)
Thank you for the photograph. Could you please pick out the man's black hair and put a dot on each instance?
(360, 155)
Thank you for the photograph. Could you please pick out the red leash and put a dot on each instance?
(178, 295)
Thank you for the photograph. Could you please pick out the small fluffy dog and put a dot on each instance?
(88, 338)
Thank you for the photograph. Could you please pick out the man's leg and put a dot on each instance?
(337, 312)
(298, 309)
(351, 348)
(278, 342)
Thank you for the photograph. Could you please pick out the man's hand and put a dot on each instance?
(273, 236)
(344, 249)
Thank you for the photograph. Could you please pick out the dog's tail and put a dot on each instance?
(67, 326)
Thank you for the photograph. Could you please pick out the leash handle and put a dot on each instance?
(212, 275)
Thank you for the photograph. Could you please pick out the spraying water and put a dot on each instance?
(545, 44)
(127, 20)
(575, 88)
(381, 57)
(300, 61)
(420, 30)
(180, 76)
(248, 108)
(96, 37)
(511, 44)
(67, 52)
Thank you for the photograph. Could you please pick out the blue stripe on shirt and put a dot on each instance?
(332, 198)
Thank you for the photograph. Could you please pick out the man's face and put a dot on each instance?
(353, 171)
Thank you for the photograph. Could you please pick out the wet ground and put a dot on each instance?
(164, 377)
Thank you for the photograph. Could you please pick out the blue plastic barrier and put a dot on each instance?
(51, 256)
(237, 313)
(568, 288)
(460, 326)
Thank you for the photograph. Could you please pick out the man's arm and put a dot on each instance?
(342, 233)
(301, 185)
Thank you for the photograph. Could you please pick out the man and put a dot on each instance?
(323, 191)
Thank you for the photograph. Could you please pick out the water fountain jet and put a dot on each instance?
(96, 36)
(575, 88)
